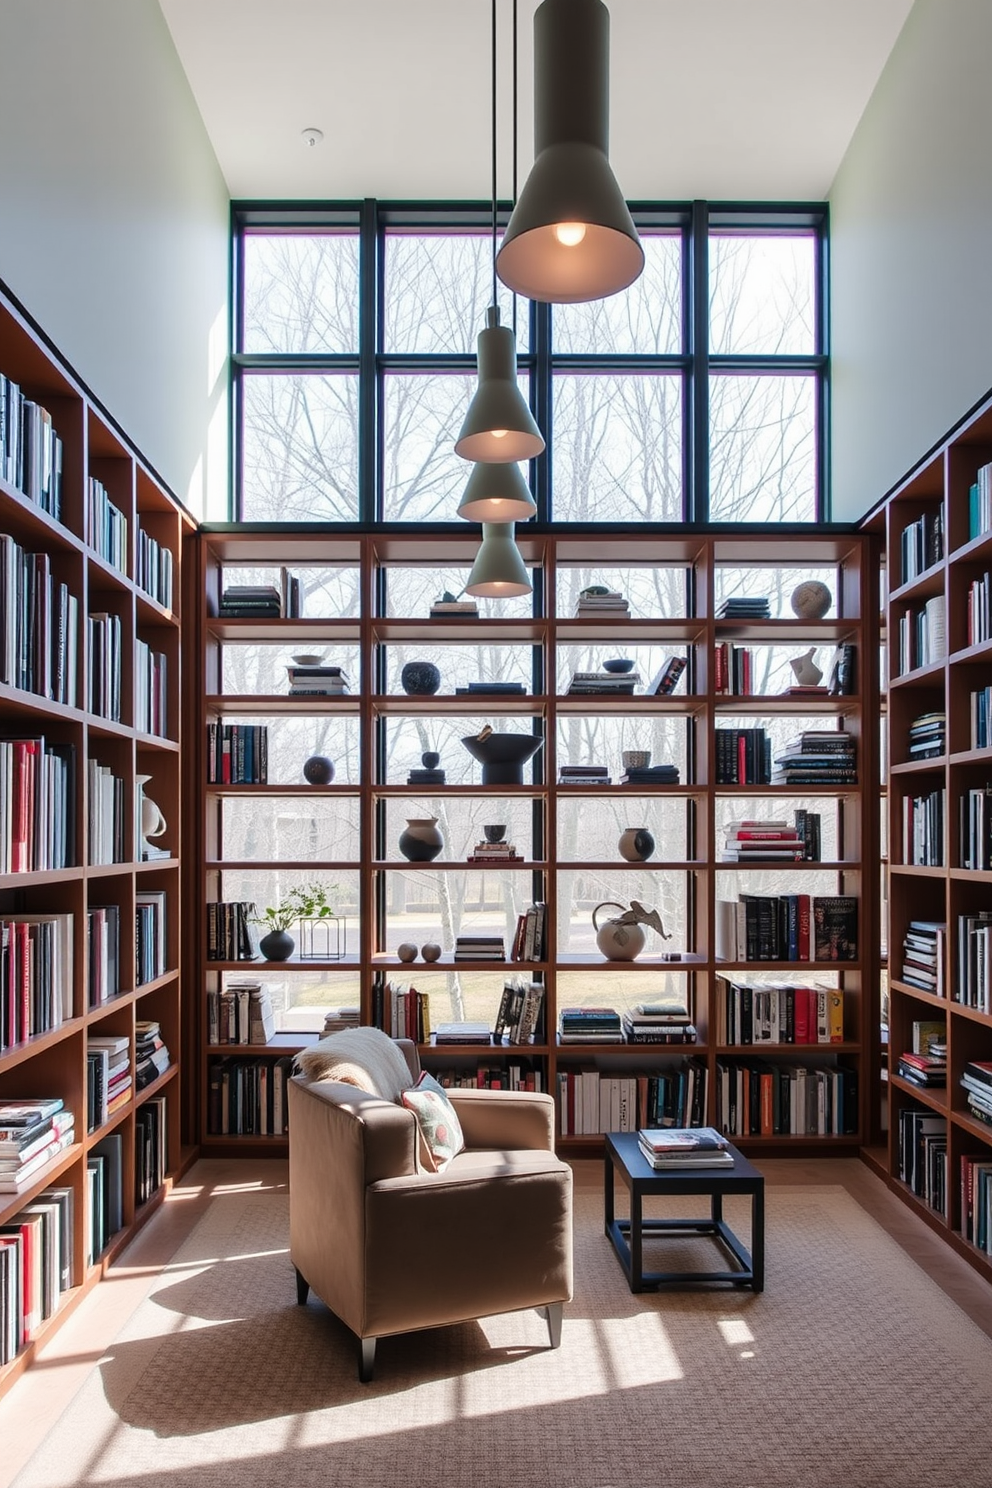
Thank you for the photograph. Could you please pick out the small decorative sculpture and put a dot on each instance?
(406, 951)
(808, 674)
(811, 600)
(153, 823)
(431, 951)
(622, 939)
(318, 770)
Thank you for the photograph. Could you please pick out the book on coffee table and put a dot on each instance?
(666, 1141)
(677, 1161)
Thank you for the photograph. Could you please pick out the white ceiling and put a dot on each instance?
(722, 99)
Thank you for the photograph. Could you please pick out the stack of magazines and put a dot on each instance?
(674, 1147)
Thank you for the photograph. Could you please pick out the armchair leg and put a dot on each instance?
(553, 1313)
(302, 1288)
(366, 1360)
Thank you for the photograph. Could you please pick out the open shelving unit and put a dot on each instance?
(132, 745)
(367, 596)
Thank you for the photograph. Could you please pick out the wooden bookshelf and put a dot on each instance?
(936, 496)
(130, 745)
(569, 858)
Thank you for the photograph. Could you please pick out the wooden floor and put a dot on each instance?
(37, 1400)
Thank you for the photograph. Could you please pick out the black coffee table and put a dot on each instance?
(623, 1156)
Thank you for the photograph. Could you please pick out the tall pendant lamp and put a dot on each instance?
(499, 428)
(570, 237)
(499, 572)
(497, 493)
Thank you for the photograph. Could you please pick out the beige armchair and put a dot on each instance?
(390, 1247)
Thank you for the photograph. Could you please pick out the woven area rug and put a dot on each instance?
(852, 1370)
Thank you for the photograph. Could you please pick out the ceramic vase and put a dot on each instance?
(421, 841)
(278, 945)
(420, 678)
(636, 844)
(431, 951)
(318, 770)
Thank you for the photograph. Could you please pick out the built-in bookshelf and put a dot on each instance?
(304, 668)
(938, 537)
(90, 726)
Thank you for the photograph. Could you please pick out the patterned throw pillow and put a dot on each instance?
(440, 1128)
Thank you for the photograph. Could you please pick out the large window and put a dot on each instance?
(699, 394)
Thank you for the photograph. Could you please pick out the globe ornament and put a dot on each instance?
(318, 770)
(811, 600)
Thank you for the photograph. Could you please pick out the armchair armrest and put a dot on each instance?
(380, 1136)
(510, 1119)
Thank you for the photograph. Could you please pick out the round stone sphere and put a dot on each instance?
(406, 951)
(420, 678)
(430, 951)
(811, 600)
(318, 770)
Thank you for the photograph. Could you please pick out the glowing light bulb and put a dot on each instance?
(499, 433)
(570, 234)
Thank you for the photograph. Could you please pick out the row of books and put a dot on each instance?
(980, 502)
(973, 987)
(36, 1267)
(30, 449)
(151, 1148)
(403, 1012)
(104, 1194)
(979, 627)
(755, 1013)
(817, 757)
(921, 544)
(105, 815)
(530, 936)
(150, 941)
(923, 828)
(106, 525)
(787, 927)
(240, 1013)
(248, 1097)
(509, 1076)
(733, 669)
(39, 626)
(151, 690)
(921, 1155)
(229, 932)
(976, 1200)
(154, 569)
(760, 1098)
(237, 753)
(743, 756)
(36, 971)
(104, 663)
(109, 1081)
(33, 1133)
(103, 936)
(975, 839)
(37, 805)
(981, 718)
(519, 1017)
(590, 1103)
(921, 635)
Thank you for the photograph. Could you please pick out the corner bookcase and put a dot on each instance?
(365, 607)
(939, 556)
(109, 719)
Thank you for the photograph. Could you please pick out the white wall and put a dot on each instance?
(911, 231)
(114, 221)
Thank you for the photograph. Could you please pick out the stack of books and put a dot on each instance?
(495, 852)
(817, 757)
(108, 1080)
(665, 1021)
(923, 955)
(750, 840)
(586, 683)
(151, 1057)
(926, 1063)
(479, 948)
(448, 605)
(251, 602)
(492, 689)
(745, 607)
(519, 1012)
(675, 1147)
(318, 681)
(650, 775)
(589, 1025)
(583, 775)
(928, 736)
(337, 1018)
(32, 1133)
(599, 601)
(462, 1033)
(423, 776)
(977, 1083)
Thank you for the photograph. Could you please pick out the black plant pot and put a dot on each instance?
(420, 678)
(278, 945)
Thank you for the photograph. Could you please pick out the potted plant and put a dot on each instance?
(305, 902)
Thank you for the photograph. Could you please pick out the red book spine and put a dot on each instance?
(741, 760)
(766, 1104)
(803, 945)
(802, 1016)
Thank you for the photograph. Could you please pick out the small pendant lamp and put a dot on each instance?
(497, 493)
(570, 238)
(499, 428)
(499, 572)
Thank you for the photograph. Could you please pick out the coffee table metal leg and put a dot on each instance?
(636, 1230)
(758, 1240)
(716, 1208)
(609, 1173)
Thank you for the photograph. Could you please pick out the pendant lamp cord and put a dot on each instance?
(514, 141)
(494, 145)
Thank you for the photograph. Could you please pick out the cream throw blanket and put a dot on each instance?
(365, 1057)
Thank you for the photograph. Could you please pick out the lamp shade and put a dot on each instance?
(497, 493)
(499, 428)
(570, 237)
(499, 571)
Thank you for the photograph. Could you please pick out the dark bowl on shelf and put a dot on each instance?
(619, 664)
(503, 756)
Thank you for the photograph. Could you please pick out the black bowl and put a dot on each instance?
(619, 664)
(503, 756)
